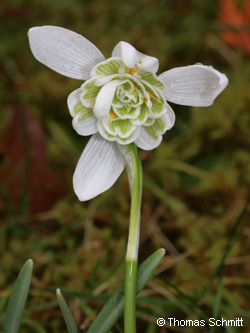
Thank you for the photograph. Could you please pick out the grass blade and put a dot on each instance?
(69, 320)
(18, 299)
(218, 297)
(114, 307)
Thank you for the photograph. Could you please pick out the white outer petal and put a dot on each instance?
(104, 99)
(85, 127)
(148, 63)
(130, 56)
(195, 85)
(98, 168)
(127, 52)
(73, 98)
(169, 118)
(64, 51)
(146, 142)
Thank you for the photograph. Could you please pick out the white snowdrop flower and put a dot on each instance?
(121, 101)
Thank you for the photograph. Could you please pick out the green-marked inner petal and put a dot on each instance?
(124, 127)
(142, 117)
(134, 112)
(84, 113)
(108, 67)
(119, 127)
(151, 79)
(127, 112)
(157, 129)
(129, 139)
(113, 137)
(152, 91)
(151, 132)
(157, 108)
(149, 122)
(90, 91)
(78, 108)
(88, 113)
(159, 126)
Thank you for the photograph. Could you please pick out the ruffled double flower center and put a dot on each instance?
(123, 100)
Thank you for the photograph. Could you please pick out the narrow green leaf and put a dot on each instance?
(18, 299)
(69, 320)
(218, 297)
(217, 302)
(114, 307)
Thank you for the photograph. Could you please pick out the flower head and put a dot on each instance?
(121, 101)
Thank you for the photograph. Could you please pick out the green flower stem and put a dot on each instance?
(135, 174)
(130, 294)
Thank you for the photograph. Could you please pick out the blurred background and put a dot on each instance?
(196, 183)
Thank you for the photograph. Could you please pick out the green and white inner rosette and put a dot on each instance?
(123, 103)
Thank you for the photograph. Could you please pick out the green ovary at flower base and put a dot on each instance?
(122, 102)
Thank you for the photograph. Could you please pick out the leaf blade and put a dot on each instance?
(114, 307)
(18, 299)
(69, 320)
